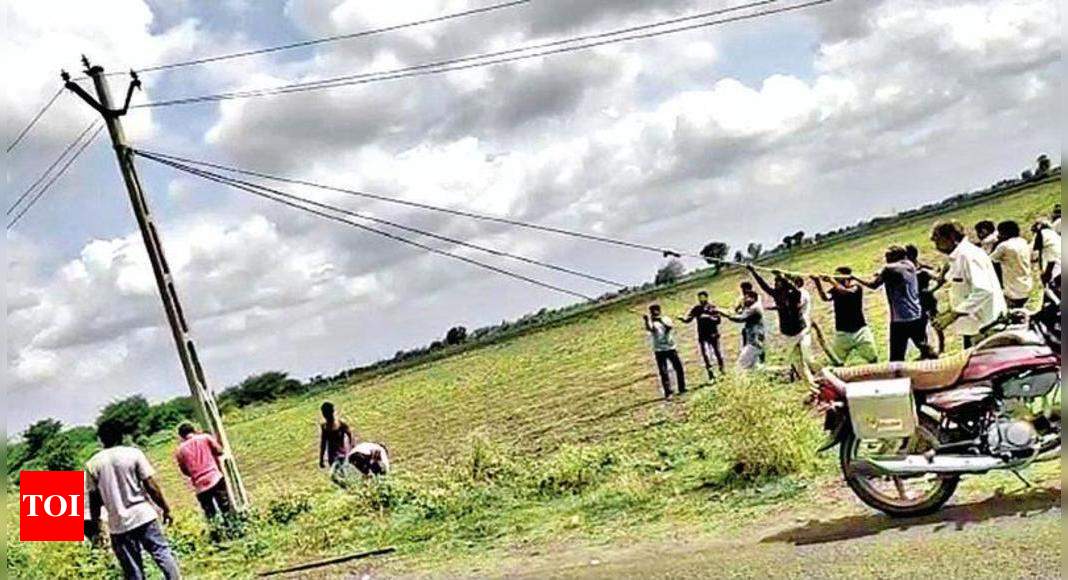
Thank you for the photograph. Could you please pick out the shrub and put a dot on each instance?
(287, 507)
(764, 428)
(574, 469)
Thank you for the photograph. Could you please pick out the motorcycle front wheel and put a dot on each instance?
(897, 497)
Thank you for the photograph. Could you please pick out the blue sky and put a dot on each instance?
(744, 132)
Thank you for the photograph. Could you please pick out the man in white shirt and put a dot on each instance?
(369, 458)
(1048, 250)
(975, 294)
(661, 330)
(1013, 254)
(121, 479)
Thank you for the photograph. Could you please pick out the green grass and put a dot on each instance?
(554, 436)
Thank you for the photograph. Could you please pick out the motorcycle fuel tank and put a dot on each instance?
(882, 409)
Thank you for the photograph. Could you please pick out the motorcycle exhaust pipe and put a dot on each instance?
(944, 464)
(920, 465)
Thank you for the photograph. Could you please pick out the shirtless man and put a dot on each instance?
(335, 439)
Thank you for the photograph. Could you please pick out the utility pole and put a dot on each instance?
(187, 354)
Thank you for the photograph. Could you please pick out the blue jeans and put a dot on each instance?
(127, 547)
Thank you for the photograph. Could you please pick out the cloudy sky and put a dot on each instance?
(806, 120)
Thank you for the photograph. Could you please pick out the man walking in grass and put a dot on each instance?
(790, 303)
(1013, 254)
(751, 315)
(121, 480)
(708, 320)
(335, 440)
(198, 459)
(852, 334)
(662, 332)
(907, 322)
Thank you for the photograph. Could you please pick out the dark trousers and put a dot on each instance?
(127, 547)
(903, 332)
(709, 347)
(663, 358)
(1016, 302)
(214, 501)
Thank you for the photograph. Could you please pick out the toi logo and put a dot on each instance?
(51, 506)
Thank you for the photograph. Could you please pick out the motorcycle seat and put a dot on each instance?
(925, 375)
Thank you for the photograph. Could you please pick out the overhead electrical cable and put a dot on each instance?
(387, 222)
(328, 39)
(56, 176)
(663, 251)
(278, 197)
(40, 113)
(425, 206)
(488, 59)
(46, 172)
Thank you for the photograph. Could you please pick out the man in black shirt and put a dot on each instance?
(790, 304)
(708, 319)
(852, 334)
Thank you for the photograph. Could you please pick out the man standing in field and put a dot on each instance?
(335, 440)
(751, 315)
(790, 304)
(198, 459)
(1013, 254)
(708, 319)
(1047, 250)
(121, 480)
(852, 335)
(928, 281)
(907, 322)
(661, 330)
(975, 293)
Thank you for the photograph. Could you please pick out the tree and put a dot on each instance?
(754, 250)
(38, 434)
(798, 238)
(1027, 175)
(456, 335)
(267, 386)
(169, 414)
(714, 251)
(1043, 166)
(787, 242)
(130, 413)
(670, 272)
(739, 256)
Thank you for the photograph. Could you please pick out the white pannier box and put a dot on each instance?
(882, 409)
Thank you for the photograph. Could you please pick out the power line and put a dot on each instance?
(55, 177)
(277, 197)
(425, 206)
(25, 130)
(335, 38)
(488, 59)
(44, 175)
(383, 221)
(666, 252)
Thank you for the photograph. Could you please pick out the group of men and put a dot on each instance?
(121, 481)
(985, 278)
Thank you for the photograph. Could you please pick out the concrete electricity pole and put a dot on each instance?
(187, 353)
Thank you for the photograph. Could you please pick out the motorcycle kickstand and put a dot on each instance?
(1027, 484)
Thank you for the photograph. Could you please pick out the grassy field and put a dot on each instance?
(556, 436)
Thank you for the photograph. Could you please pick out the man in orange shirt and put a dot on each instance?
(198, 459)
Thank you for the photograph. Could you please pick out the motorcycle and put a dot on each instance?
(908, 431)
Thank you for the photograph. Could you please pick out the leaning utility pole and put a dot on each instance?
(187, 354)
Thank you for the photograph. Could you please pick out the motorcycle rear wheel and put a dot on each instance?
(942, 488)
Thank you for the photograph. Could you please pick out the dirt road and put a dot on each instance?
(1011, 532)
(1016, 536)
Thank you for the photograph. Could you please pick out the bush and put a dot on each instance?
(264, 387)
(764, 428)
(574, 469)
(287, 507)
